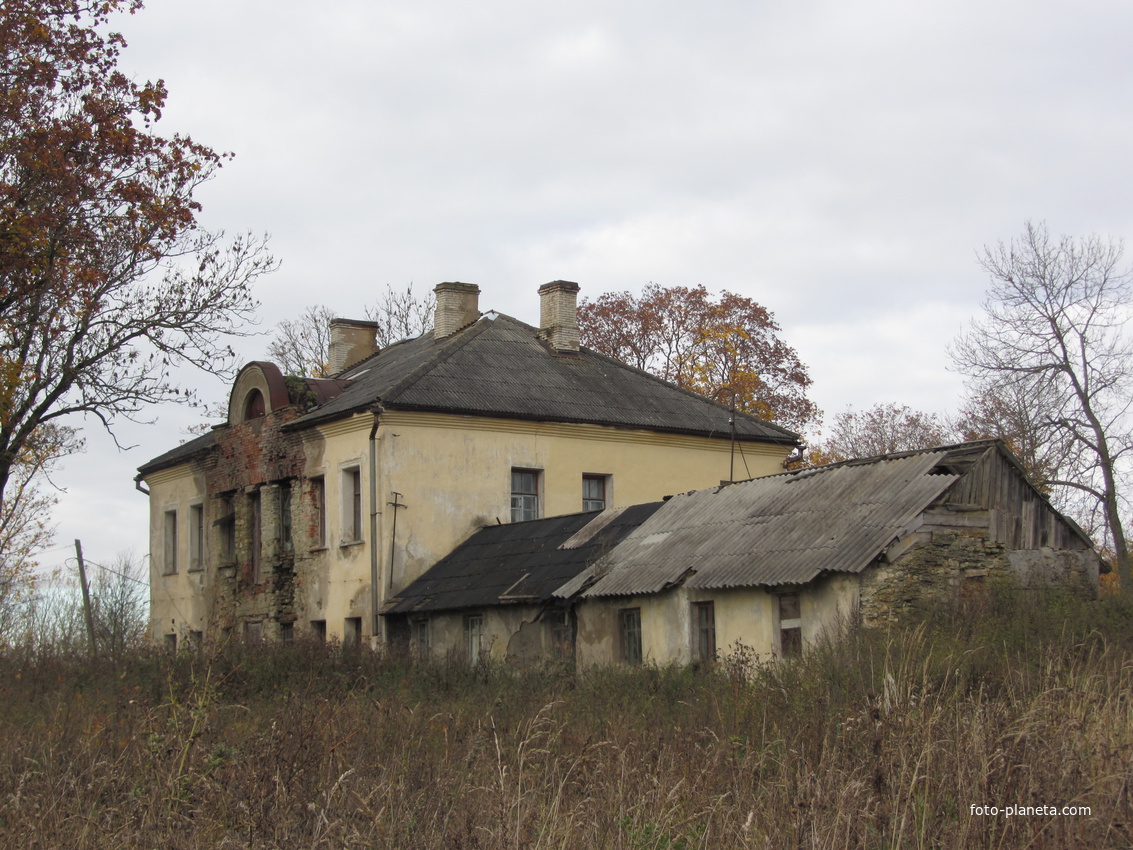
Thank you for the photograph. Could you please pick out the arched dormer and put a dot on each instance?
(258, 390)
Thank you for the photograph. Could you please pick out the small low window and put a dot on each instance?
(705, 631)
(629, 628)
(319, 630)
(790, 625)
(474, 636)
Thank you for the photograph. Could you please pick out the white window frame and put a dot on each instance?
(352, 503)
(523, 513)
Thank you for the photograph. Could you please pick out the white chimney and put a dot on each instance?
(458, 304)
(558, 314)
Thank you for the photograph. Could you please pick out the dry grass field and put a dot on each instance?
(882, 740)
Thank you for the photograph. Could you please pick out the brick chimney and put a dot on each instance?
(458, 304)
(351, 340)
(558, 314)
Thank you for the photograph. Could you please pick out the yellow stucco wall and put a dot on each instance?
(744, 617)
(179, 600)
(453, 474)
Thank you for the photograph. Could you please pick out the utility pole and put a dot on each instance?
(86, 597)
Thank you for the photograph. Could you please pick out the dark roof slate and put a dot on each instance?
(182, 453)
(782, 529)
(498, 366)
(518, 563)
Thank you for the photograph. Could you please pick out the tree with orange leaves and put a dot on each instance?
(720, 348)
(107, 279)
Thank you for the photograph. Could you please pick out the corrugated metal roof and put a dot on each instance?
(785, 529)
(521, 562)
(498, 366)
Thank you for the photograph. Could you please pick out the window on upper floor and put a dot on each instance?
(226, 524)
(254, 407)
(255, 537)
(169, 556)
(285, 516)
(319, 511)
(525, 494)
(196, 537)
(351, 504)
(594, 496)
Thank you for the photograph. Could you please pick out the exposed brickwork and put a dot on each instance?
(256, 462)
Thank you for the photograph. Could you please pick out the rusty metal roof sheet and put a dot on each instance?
(784, 529)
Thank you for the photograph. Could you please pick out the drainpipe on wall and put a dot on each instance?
(375, 548)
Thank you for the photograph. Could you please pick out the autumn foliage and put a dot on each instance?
(106, 278)
(716, 347)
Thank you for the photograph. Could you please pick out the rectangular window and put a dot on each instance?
(319, 511)
(170, 642)
(705, 620)
(419, 636)
(629, 628)
(319, 630)
(790, 625)
(255, 539)
(169, 562)
(253, 632)
(474, 635)
(196, 537)
(524, 494)
(227, 524)
(351, 505)
(352, 633)
(594, 492)
(561, 644)
(285, 516)
(287, 631)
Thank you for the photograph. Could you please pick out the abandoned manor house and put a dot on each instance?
(491, 488)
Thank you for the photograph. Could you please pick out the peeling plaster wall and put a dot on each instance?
(960, 562)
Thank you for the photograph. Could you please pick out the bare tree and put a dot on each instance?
(1054, 332)
(400, 314)
(884, 429)
(302, 346)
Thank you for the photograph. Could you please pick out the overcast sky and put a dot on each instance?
(841, 163)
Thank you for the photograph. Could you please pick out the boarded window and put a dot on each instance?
(704, 615)
(419, 635)
(629, 628)
(524, 494)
